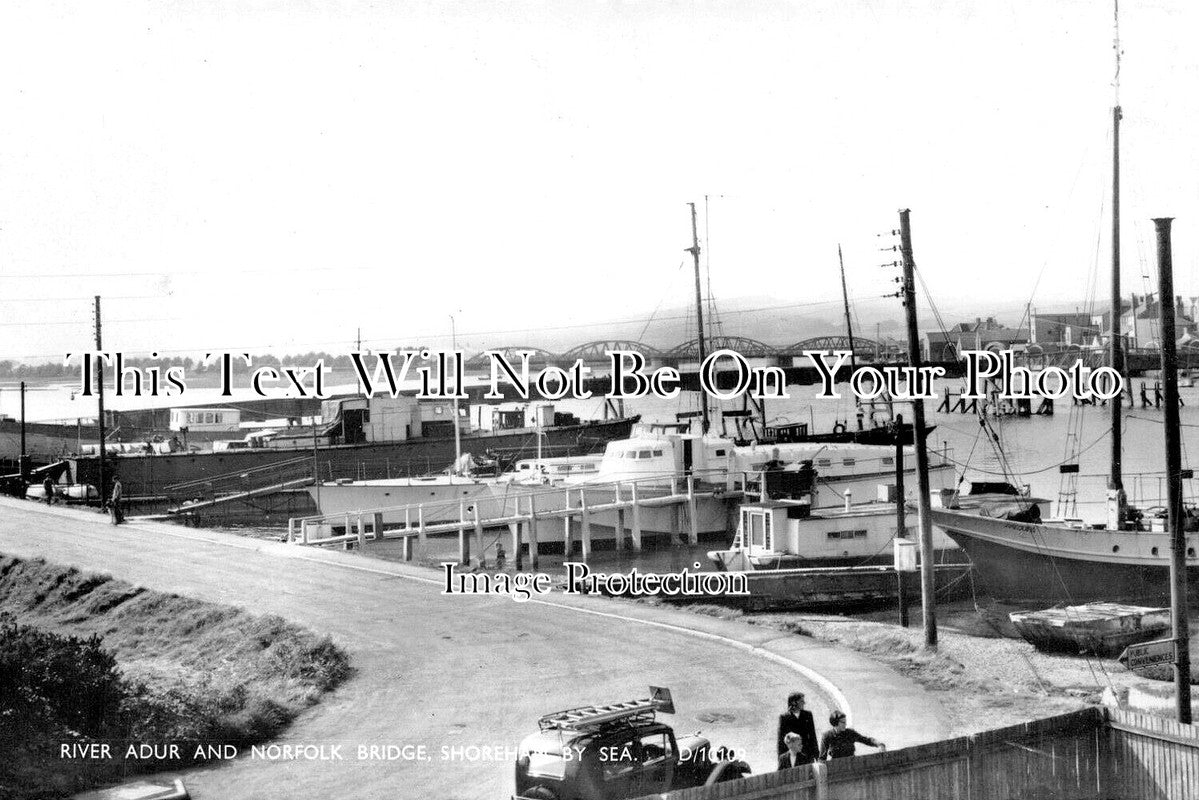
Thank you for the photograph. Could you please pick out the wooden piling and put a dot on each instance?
(619, 521)
(533, 531)
(517, 557)
(479, 536)
(636, 521)
(361, 525)
(586, 524)
(420, 521)
(378, 526)
(567, 529)
(692, 522)
(463, 539)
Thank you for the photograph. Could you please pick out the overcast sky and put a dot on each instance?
(277, 175)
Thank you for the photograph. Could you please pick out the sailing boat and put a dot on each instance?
(1127, 558)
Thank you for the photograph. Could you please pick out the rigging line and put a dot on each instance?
(649, 320)
(978, 432)
(1031, 471)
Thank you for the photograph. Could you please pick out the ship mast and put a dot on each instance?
(853, 364)
(699, 312)
(1116, 353)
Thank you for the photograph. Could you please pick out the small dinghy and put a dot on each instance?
(1104, 629)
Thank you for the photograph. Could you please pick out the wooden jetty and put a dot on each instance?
(577, 515)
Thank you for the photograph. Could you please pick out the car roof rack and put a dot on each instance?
(594, 716)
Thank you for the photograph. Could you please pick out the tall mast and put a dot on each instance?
(1116, 479)
(699, 310)
(853, 364)
(457, 390)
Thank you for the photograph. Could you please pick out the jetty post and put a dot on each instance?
(901, 523)
(568, 534)
(619, 520)
(927, 575)
(692, 523)
(636, 521)
(463, 536)
(1178, 563)
(420, 521)
(533, 556)
(479, 547)
(585, 525)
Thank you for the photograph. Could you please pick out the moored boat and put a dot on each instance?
(373, 438)
(1104, 629)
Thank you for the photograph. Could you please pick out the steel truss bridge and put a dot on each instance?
(597, 352)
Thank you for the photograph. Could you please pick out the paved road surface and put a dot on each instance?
(444, 672)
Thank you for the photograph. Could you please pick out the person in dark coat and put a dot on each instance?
(48, 487)
(840, 740)
(114, 501)
(797, 720)
(794, 756)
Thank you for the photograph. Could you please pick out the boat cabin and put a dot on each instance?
(357, 420)
(668, 456)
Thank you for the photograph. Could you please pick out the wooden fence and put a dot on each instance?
(1092, 754)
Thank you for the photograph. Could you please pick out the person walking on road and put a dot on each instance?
(48, 488)
(840, 740)
(799, 721)
(114, 501)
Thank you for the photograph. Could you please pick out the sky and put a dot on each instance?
(278, 176)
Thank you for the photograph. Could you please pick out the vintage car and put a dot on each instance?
(616, 751)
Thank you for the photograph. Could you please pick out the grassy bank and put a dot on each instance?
(89, 658)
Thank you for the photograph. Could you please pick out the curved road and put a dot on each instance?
(454, 672)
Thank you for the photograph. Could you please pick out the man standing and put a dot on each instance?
(48, 488)
(839, 742)
(114, 501)
(800, 722)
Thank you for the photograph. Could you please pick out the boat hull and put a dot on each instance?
(158, 475)
(1023, 561)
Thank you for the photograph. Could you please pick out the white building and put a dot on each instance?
(205, 419)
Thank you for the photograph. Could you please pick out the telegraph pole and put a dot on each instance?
(901, 523)
(1178, 544)
(927, 575)
(100, 400)
(23, 458)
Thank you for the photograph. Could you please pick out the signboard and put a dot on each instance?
(1149, 654)
(661, 699)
